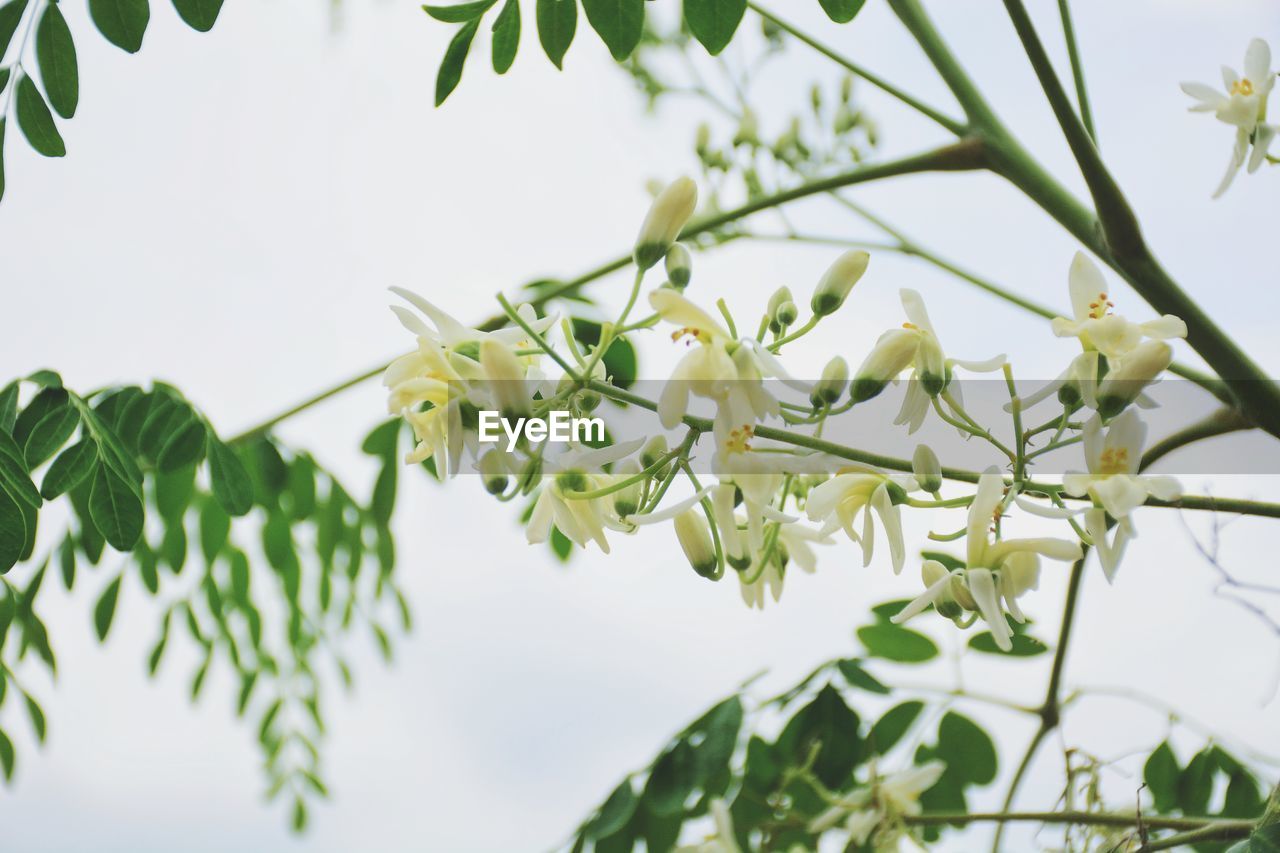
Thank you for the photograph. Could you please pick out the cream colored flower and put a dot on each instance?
(862, 489)
(667, 216)
(1097, 326)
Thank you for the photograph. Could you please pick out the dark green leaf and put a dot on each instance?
(174, 492)
(619, 22)
(1242, 798)
(6, 756)
(104, 612)
(67, 561)
(383, 501)
(36, 122)
(853, 673)
(842, 11)
(615, 813)
(832, 724)
(228, 478)
(382, 439)
(10, 17)
(115, 508)
(460, 13)
(36, 715)
(9, 395)
(967, 749)
(215, 524)
(895, 643)
(718, 729)
(46, 378)
(1161, 775)
(49, 435)
(889, 609)
(69, 469)
(1024, 646)
(890, 728)
(671, 780)
(454, 58)
(506, 36)
(13, 474)
(123, 22)
(200, 15)
(1195, 784)
(56, 53)
(557, 22)
(713, 22)
(183, 447)
(13, 532)
(42, 404)
(561, 545)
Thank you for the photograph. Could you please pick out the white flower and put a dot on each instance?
(914, 346)
(1095, 324)
(838, 501)
(875, 813)
(582, 520)
(667, 216)
(1113, 482)
(795, 545)
(1243, 106)
(994, 570)
(716, 367)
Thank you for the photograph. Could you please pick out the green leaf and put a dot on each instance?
(967, 749)
(718, 729)
(69, 469)
(13, 474)
(200, 15)
(454, 58)
(895, 723)
(9, 394)
(36, 715)
(615, 812)
(842, 11)
(671, 780)
(949, 561)
(895, 643)
(67, 561)
(561, 545)
(858, 677)
(183, 447)
(1195, 784)
(1161, 773)
(49, 435)
(1024, 646)
(56, 53)
(228, 478)
(215, 524)
(122, 22)
(506, 36)
(557, 23)
(6, 756)
(619, 22)
(10, 17)
(713, 22)
(13, 532)
(104, 612)
(460, 13)
(833, 725)
(36, 122)
(116, 509)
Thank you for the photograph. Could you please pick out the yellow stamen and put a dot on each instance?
(739, 440)
(1099, 308)
(1243, 86)
(1114, 460)
(692, 333)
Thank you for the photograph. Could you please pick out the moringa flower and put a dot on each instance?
(1113, 482)
(1097, 326)
(667, 216)
(1131, 376)
(695, 540)
(838, 501)
(1243, 106)
(874, 814)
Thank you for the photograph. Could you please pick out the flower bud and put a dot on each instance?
(846, 87)
(572, 480)
(892, 354)
(815, 98)
(493, 472)
(839, 279)
(505, 376)
(931, 364)
(667, 216)
(627, 501)
(695, 540)
(931, 571)
(748, 130)
(1138, 369)
(960, 592)
(927, 468)
(679, 266)
(702, 141)
(655, 449)
(731, 539)
(835, 378)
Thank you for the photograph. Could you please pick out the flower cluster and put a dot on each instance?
(1242, 104)
(776, 491)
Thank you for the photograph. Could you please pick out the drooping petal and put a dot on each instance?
(1165, 327)
(676, 309)
(921, 603)
(1237, 160)
(1163, 488)
(1054, 549)
(981, 512)
(1210, 99)
(1046, 510)
(891, 520)
(1262, 138)
(983, 589)
(669, 512)
(451, 331)
(1119, 494)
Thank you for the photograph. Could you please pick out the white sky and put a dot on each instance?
(231, 210)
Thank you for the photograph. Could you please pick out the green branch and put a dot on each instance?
(1077, 69)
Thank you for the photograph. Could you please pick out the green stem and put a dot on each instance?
(1223, 421)
(1077, 69)
(1222, 831)
(1242, 827)
(879, 82)
(515, 317)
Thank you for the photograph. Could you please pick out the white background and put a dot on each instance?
(231, 211)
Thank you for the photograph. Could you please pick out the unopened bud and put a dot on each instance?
(839, 279)
(846, 87)
(627, 501)
(1137, 369)
(927, 468)
(835, 378)
(748, 130)
(679, 265)
(655, 449)
(815, 98)
(695, 540)
(667, 216)
(892, 354)
(571, 481)
(493, 472)
(702, 140)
